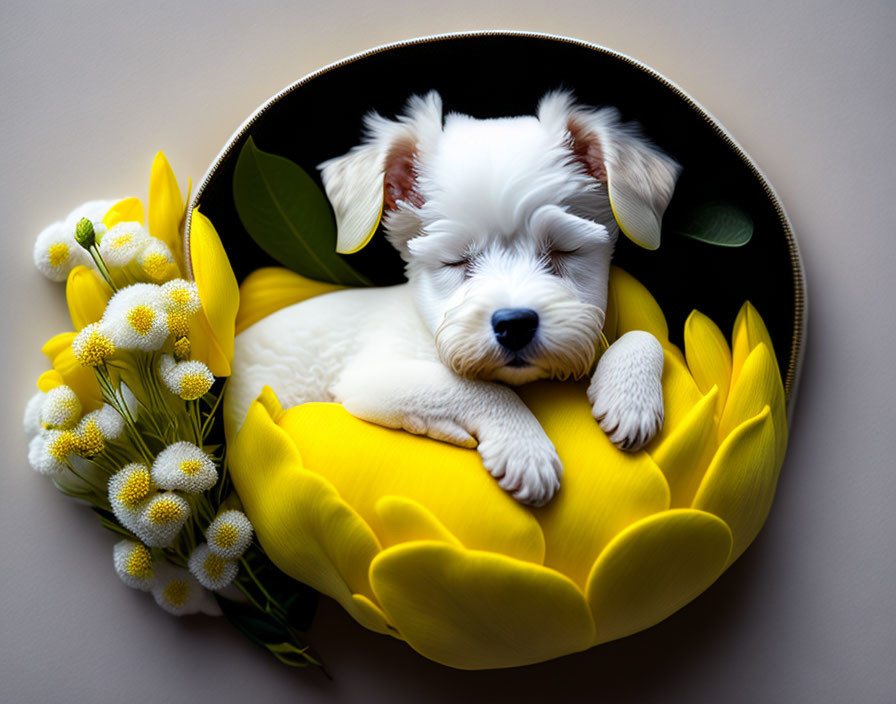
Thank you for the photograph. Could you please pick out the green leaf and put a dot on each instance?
(289, 217)
(716, 222)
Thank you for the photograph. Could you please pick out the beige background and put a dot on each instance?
(90, 90)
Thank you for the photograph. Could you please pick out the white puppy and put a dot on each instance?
(507, 230)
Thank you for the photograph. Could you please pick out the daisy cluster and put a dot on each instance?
(123, 420)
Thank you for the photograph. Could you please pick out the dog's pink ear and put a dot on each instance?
(639, 178)
(379, 175)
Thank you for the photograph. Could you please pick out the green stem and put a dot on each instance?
(101, 267)
(271, 600)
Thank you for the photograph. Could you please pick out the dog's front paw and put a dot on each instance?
(528, 468)
(626, 393)
(630, 414)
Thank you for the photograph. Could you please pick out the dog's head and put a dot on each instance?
(507, 225)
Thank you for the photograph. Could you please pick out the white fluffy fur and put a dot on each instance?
(505, 218)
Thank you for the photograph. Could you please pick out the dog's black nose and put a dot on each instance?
(514, 327)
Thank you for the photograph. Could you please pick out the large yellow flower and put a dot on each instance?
(415, 539)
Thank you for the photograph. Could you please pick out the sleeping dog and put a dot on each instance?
(507, 227)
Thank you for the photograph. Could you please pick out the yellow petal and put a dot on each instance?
(611, 322)
(49, 380)
(166, 207)
(653, 568)
(449, 481)
(87, 295)
(212, 331)
(757, 386)
(708, 355)
(685, 453)
(267, 290)
(603, 489)
(636, 307)
(740, 483)
(127, 210)
(81, 379)
(303, 525)
(749, 332)
(475, 610)
(405, 521)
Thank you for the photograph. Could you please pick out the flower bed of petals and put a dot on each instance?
(415, 540)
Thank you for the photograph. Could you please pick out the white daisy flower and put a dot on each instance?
(96, 428)
(50, 452)
(161, 519)
(229, 535)
(133, 564)
(189, 380)
(32, 414)
(61, 409)
(185, 467)
(135, 319)
(121, 244)
(129, 489)
(56, 253)
(93, 210)
(93, 345)
(178, 592)
(212, 571)
(156, 260)
(181, 296)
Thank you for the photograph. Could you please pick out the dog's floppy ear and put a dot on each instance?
(639, 178)
(380, 174)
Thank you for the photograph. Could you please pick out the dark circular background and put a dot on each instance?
(499, 74)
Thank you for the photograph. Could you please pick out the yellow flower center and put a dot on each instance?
(58, 254)
(122, 240)
(190, 467)
(141, 318)
(135, 489)
(95, 350)
(90, 440)
(227, 536)
(164, 511)
(214, 566)
(139, 563)
(182, 348)
(176, 592)
(62, 446)
(178, 324)
(156, 266)
(180, 297)
(192, 386)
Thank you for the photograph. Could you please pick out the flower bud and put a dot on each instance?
(84, 234)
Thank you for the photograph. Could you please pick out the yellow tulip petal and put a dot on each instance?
(49, 380)
(87, 295)
(371, 616)
(655, 567)
(685, 453)
(740, 483)
(449, 481)
(302, 523)
(405, 521)
(636, 307)
(708, 355)
(680, 395)
(126, 210)
(749, 332)
(475, 610)
(757, 386)
(625, 486)
(166, 207)
(82, 379)
(212, 331)
(267, 290)
(611, 322)
(58, 343)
